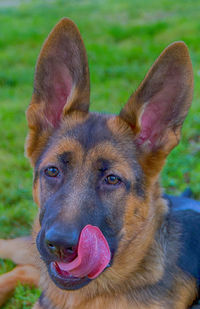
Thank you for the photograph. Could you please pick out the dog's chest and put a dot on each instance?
(117, 302)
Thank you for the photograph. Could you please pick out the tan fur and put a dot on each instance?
(19, 251)
(132, 282)
(25, 274)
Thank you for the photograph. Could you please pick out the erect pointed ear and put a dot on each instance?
(61, 82)
(157, 109)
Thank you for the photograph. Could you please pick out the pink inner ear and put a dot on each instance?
(60, 87)
(158, 114)
(151, 123)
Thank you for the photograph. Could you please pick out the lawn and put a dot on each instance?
(122, 38)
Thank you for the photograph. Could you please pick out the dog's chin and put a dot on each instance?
(64, 280)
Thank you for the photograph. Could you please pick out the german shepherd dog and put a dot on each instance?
(105, 237)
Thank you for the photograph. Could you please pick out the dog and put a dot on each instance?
(105, 236)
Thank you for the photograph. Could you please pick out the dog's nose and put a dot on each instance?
(62, 243)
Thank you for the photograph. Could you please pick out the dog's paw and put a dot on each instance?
(27, 274)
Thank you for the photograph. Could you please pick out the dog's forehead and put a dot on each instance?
(92, 130)
(99, 129)
(101, 135)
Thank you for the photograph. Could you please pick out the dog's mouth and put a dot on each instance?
(64, 280)
(93, 256)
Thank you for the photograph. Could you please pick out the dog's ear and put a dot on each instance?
(157, 109)
(61, 82)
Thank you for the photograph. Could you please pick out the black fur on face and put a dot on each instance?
(97, 169)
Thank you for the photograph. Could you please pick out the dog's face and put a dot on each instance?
(99, 170)
(87, 172)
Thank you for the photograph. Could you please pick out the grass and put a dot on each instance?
(123, 38)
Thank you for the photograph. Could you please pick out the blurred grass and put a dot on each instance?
(122, 38)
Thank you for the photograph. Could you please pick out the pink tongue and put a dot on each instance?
(93, 254)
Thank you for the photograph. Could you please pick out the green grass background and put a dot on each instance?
(122, 38)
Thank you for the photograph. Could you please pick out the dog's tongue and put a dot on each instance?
(93, 254)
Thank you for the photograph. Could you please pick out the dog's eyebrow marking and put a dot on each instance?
(103, 164)
(65, 157)
(138, 181)
(62, 150)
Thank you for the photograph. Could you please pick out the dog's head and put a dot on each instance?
(95, 175)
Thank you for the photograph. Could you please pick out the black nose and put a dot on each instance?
(62, 242)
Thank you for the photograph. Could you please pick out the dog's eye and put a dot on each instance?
(112, 180)
(51, 171)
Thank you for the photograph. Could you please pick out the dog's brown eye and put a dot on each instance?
(51, 171)
(112, 180)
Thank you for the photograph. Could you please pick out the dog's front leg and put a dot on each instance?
(26, 274)
(17, 250)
